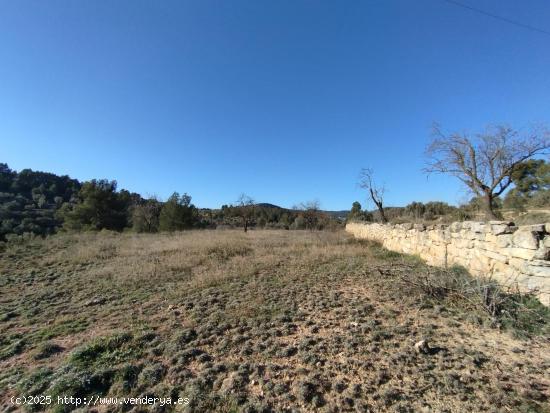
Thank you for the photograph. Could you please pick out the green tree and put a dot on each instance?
(530, 179)
(357, 214)
(99, 206)
(7, 177)
(178, 213)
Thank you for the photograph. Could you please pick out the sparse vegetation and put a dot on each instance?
(263, 321)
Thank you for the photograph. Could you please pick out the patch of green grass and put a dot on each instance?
(126, 377)
(80, 383)
(37, 381)
(46, 350)
(525, 316)
(13, 348)
(107, 350)
(61, 329)
(92, 369)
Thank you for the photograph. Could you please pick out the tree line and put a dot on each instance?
(41, 203)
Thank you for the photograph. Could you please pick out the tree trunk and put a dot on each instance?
(381, 210)
(378, 204)
(245, 225)
(488, 207)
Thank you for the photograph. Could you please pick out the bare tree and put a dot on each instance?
(485, 162)
(311, 213)
(366, 181)
(245, 209)
(145, 215)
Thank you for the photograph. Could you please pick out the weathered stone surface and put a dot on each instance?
(500, 228)
(539, 271)
(504, 240)
(511, 255)
(467, 224)
(455, 226)
(525, 238)
(538, 228)
(543, 253)
(478, 227)
(526, 254)
(496, 256)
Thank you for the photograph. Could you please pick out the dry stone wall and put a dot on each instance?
(511, 255)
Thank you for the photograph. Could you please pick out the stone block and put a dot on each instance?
(538, 283)
(467, 234)
(478, 227)
(467, 224)
(462, 243)
(525, 238)
(501, 228)
(523, 253)
(540, 228)
(538, 271)
(543, 253)
(496, 256)
(455, 226)
(518, 264)
(504, 240)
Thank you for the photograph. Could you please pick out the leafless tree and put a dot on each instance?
(366, 181)
(245, 209)
(311, 213)
(486, 161)
(145, 216)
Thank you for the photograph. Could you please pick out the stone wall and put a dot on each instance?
(510, 255)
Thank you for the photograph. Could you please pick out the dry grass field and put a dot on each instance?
(290, 321)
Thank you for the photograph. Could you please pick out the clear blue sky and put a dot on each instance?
(283, 100)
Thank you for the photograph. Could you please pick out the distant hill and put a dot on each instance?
(268, 205)
(338, 214)
(335, 214)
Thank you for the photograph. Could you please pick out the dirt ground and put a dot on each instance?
(268, 321)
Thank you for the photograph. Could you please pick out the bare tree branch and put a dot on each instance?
(486, 161)
(245, 209)
(366, 181)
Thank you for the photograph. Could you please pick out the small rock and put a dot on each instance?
(422, 347)
(95, 301)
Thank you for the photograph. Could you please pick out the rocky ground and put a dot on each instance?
(267, 321)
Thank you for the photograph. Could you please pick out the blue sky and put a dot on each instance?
(283, 100)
